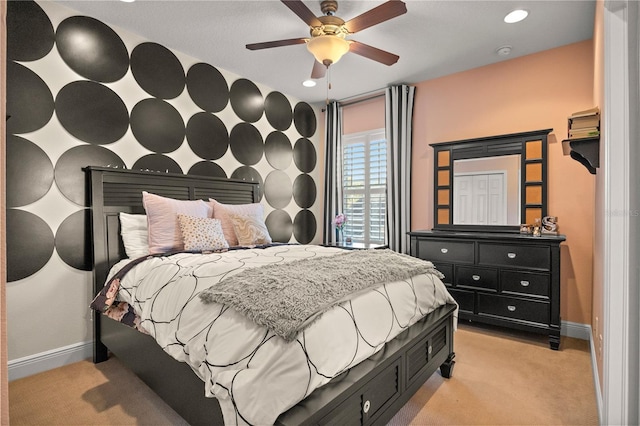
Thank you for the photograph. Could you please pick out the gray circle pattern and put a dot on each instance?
(102, 56)
(73, 240)
(207, 87)
(69, 176)
(29, 172)
(29, 244)
(157, 70)
(278, 150)
(207, 136)
(30, 33)
(29, 100)
(246, 100)
(246, 144)
(157, 125)
(92, 112)
(280, 226)
(277, 189)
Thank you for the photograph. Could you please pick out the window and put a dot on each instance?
(364, 178)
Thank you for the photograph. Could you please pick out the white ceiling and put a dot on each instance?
(434, 38)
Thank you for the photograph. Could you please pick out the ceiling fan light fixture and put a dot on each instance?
(328, 49)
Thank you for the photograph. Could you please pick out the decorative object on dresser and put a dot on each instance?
(503, 279)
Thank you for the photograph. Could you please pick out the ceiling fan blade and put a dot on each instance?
(373, 53)
(303, 12)
(276, 43)
(378, 14)
(319, 70)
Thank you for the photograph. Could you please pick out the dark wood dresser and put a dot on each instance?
(504, 279)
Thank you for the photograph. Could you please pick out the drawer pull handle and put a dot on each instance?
(475, 277)
(524, 283)
(511, 308)
(429, 350)
(444, 250)
(366, 406)
(511, 255)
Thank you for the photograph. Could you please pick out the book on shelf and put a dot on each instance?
(584, 133)
(585, 113)
(585, 122)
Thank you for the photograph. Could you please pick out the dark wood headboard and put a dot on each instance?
(112, 191)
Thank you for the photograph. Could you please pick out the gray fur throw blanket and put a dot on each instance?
(288, 297)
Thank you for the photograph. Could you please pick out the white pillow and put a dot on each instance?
(133, 228)
(162, 219)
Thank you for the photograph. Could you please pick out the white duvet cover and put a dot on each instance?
(253, 373)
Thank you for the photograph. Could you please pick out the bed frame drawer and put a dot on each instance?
(373, 398)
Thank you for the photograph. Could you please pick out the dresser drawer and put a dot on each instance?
(446, 250)
(479, 278)
(447, 271)
(514, 256)
(513, 308)
(465, 299)
(527, 283)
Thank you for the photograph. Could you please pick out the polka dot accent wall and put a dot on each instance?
(106, 98)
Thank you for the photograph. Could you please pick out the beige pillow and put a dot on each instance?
(223, 211)
(162, 218)
(201, 233)
(250, 230)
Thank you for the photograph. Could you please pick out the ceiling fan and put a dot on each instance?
(328, 33)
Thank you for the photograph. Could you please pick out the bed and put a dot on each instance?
(369, 392)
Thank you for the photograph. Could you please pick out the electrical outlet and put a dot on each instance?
(600, 344)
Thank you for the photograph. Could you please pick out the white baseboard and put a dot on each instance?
(33, 364)
(576, 330)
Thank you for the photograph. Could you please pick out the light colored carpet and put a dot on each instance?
(500, 378)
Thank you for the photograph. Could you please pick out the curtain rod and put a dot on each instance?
(362, 97)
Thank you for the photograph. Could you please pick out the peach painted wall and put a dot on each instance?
(363, 116)
(533, 92)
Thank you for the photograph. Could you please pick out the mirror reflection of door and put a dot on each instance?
(480, 198)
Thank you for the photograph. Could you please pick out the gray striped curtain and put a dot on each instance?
(398, 122)
(332, 170)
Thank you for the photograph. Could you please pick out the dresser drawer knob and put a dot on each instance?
(429, 349)
(444, 250)
(524, 283)
(511, 255)
(366, 406)
(475, 277)
(511, 308)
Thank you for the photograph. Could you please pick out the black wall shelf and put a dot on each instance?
(586, 151)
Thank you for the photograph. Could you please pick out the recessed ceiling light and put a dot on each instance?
(309, 83)
(516, 16)
(127, 1)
